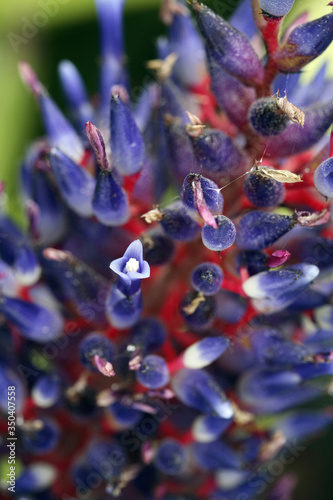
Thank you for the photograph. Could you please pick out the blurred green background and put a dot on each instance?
(72, 34)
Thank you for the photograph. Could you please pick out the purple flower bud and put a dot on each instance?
(34, 322)
(182, 157)
(178, 223)
(127, 147)
(272, 348)
(173, 101)
(75, 93)
(295, 139)
(230, 306)
(276, 8)
(204, 352)
(301, 425)
(216, 153)
(266, 118)
(42, 440)
(214, 456)
(148, 334)
(207, 428)
(230, 48)
(187, 44)
(153, 372)
(220, 238)
(26, 267)
(110, 203)
(72, 280)
(36, 477)
(123, 310)
(197, 389)
(277, 289)
(305, 43)
(46, 391)
(113, 72)
(96, 346)
(107, 458)
(49, 221)
(170, 457)
(257, 230)
(212, 195)
(232, 96)
(270, 391)
(323, 178)
(76, 185)
(8, 378)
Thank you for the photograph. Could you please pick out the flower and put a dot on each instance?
(160, 388)
(131, 267)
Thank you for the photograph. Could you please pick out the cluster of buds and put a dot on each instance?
(170, 303)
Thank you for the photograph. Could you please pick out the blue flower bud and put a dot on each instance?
(271, 391)
(153, 372)
(272, 348)
(216, 153)
(178, 224)
(59, 131)
(211, 193)
(123, 310)
(36, 478)
(296, 139)
(323, 178)
(301, 425)
(207, 428)
(198, 389)
(148, 334)
(75, 184)
(305, 43)
(113, 72)
(93, 345)
(187, 44)
(107, 458)
(266, 118)
(232, 96)
(76, 94)
(232, 49)
(43, 439)
(46, 391)
(182, 157)
(110, 203)
(257, 230)
(33, 321)
(207, 278)
(127, 147)
(221, 238)
(205, 351)
(170, 457)
(276, 8)
(214, 456)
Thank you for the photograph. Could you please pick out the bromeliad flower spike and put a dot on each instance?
(153, 379)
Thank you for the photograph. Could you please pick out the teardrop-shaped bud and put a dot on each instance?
(113, 71)
(75, 184)
(128, 152)
(75, 93)
(304, 43)
(232, 96)
(198, 389)
(123, 311)
(257, 230)
(33, 321)
(208, 428)
(216, 153)
(232, 49)
(295, 139)
(60, 132)
(323, 178)
(110, 203)
(276, 8)
(214, 456)
(205, 352)
(182, 157)
(185, 41)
